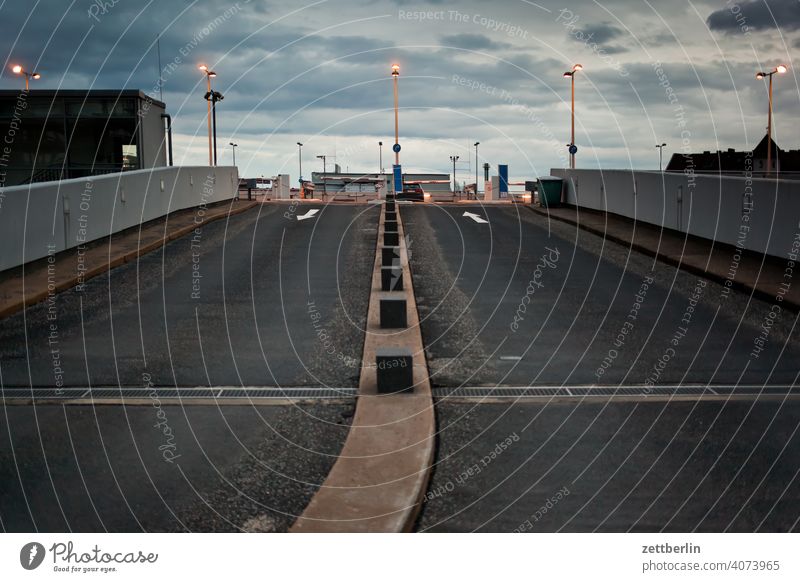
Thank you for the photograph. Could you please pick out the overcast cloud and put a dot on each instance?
(318, 72)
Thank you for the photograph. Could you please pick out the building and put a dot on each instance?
(787, 162)
(357, 186)
(60, 134)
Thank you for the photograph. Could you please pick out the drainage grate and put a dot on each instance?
(131, 393)
(611, 391)
(299, 393)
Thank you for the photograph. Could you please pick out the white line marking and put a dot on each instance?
(475, 217)
(309, 214)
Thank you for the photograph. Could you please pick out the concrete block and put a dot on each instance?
(391, 239)
(390, 256)
(392, 278)
(393, 313)
(395, 368)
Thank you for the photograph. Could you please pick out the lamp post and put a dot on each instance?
(454, 159)
(380, 157)
(571, 75)
(396, 76)
(660, 154)
(760, 75)
(324, 173)
(28, 76)
(300, 160)
(209, 74)
(477, 190)
(234, 146)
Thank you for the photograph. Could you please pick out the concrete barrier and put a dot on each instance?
(392, 278)
(44, 218)
(391, 239)
(393, 312)
(395, 370)
(390, 256)
(757, 214)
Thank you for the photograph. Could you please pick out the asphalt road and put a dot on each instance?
(164, 468)
(621, 466)
(520, 300)
(262, 299)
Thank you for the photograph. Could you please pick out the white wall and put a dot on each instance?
(707, 206)
(53, 216)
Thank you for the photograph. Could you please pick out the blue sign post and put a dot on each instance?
(397, 170)
(502, 171)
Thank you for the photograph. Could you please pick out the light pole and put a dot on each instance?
(324, 173)
(209, 74)
(454, 159)
(28, 76)
(660, 154)
(300, 160)
(572, 148)
(234, 145)
(380, 157)
(760, 75)
(396, 76)
(477, 143)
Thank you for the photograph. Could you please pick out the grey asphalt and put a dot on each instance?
(499, 308)
(164, 468)
(622, 466)
(261, 299)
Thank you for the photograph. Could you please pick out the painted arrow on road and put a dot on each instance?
(476, 218)
(309, 214)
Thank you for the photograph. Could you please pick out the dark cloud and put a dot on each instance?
(475, 42)
(756, 15)
(601, 32)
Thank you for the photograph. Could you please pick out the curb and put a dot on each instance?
(378, 482)
(90, 273)
(668, 259)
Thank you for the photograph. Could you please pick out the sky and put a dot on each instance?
(319, 72)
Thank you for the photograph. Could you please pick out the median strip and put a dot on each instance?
(380, 477)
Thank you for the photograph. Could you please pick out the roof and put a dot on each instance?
(84, 94)
(732, 160)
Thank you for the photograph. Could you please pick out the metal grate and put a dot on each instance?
(131, 393)
(611, 391)
(294, 393)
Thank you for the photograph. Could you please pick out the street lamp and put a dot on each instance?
(660, 154)
(477, 143)
(209, 74)
(28, 76)
(300, 160)
(572, 148)
(396, 76)
(324, 173)
(454, 159)
(780, 69)
(234, 145)
(380, 157)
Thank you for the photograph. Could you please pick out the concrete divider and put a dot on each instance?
(392, 278)
(378, 481)
(757, 214)
(37, 220)
(393, 312)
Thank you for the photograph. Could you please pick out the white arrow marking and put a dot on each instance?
(309, 214)
(476, 218)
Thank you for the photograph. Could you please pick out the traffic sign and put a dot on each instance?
(396, 148)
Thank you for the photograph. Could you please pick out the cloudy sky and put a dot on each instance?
(319, 72)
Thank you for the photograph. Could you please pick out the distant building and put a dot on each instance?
(354, 186)
(787, 162)
(60, 134)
